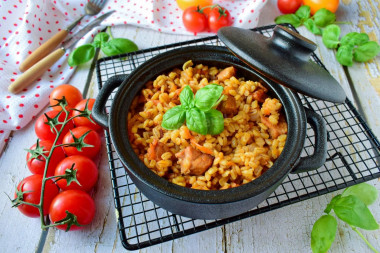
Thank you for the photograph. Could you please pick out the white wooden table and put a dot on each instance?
(283, 230)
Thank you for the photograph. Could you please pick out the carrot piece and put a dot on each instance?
(187, 134)
(201, 148)
(152, 149)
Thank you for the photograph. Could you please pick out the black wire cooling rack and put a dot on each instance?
(353, 157)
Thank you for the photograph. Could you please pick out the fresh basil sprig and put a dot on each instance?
(350, 207)
(109, 47)
(198, 111)
(353, 46)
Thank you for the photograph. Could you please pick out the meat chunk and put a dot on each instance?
(275, 130)
(194, 162)
(229, 106)
(156, 149)
(260, 95)
(226, 73)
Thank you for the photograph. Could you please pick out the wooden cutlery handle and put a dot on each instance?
(43, 50)
(35, 71)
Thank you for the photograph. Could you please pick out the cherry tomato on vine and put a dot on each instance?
(32, 187)
(218, 17)
(92, 138)
(43, 130)
(194, 20)
(37, 165)
(76, 202)
(86, 173)
(72, 95)
(288, 6)
(184, 4)
(83, 121)
(315, 5)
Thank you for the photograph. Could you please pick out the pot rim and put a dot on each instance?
(293, 109)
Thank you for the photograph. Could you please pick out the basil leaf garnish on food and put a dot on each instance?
(187, 97)
(196, 120)
(215, 122)
(323, 233)
(174, 118)
(197, 110)
(207, 96)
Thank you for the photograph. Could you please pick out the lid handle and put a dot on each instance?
(292, 43)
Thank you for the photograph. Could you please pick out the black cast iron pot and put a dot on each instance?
(213, 204)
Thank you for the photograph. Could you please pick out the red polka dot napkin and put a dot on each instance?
(26, 24)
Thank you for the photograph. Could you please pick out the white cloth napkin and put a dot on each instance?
(26, 24)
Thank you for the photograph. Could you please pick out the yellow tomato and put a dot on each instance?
(184, 4)
(315, 5)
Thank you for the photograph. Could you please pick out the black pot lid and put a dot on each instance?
(285, 59)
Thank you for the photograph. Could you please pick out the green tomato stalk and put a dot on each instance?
(70, 174)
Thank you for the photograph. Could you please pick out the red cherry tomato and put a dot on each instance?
(83, 121)
(32, 186)
(86, 172)
(43, 130)
(37, 165)
(193, 20)
(76, 202)
(72, 95)
(92, 138)
(288, 6)
(218, 17)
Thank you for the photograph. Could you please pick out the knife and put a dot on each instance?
(40, 67)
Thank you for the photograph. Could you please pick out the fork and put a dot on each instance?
(92, 7)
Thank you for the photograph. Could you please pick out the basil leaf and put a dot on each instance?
(187, 97)
(354, 39)
(288, 19)
(215, 122)
(367, 51)
(324, 17)
(100, 38)
(303, 12)
(365, 192)
(323, 234)
(331, 204)
(310, 25)
(330, 36)
(344, 55)
(196, 121)
(81, 55)
(207, 96)
(174, 118)
(118, 46)
(354, 212)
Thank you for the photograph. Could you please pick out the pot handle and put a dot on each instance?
(98, 111)
(317, 159)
